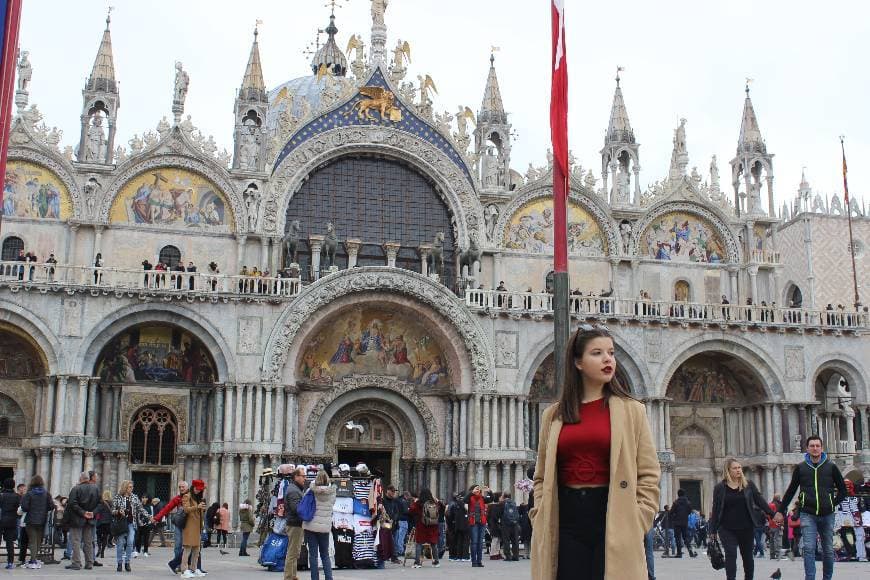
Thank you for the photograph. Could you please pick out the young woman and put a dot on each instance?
(222, 525)
(193, 503)
(318, 530)
(246, 525)
(426, 529)
(476, 524)
(596, 464)
(103, 516)
(126, 506)
(737, 511)
(36, 504)
(9, 504)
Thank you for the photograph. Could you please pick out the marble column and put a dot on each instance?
(116, 412)
(106, 473)
(418, 474)
(290, 426)
(43, 462)
(228, 471)
(862, 418)
(769, 481)
(71, 239)
(526, 425)
(271, 391)
(258, 413)
(495, 420)
(123, 467)
(463, 426)
(474, 422)
(778, 435)
(48, 404)
(228, 412)
(244, 483)
(264, 264)
(448, 429)
(55, 484)
(89, 460)
(461, 475)
(91, 426)
(519, 474)
(740, 440)
(60, 407)
(768, 428)
(277, 435)
(213, 475)
(258, 469)
(487, 425)
(477, 472)
(392, 250)
(660, 431)
(78, 427)
(512, 423)
(753, 283)
(732, 276)
(424, 250)
(434, 468)
(239, 404)
(316, 245)
(493, 475)
(217, 413)
(667, 425)
(275, 255)
(502, 428)
(456, 422)
(241, 240)
(180, 470)
(352, 245)
(506, 483)
(249, 412)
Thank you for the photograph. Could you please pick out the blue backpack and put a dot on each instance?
(307, 506)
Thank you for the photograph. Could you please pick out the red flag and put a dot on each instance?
(10, 11)
(559, 136)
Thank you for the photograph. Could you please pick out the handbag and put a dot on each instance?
(306, 507)
(714, 551)
(119, 526)
(179, 519)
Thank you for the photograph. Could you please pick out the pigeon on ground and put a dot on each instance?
(776, 575)
(225, 553)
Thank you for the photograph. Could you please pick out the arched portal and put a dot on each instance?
(153, 440)
(716, 410)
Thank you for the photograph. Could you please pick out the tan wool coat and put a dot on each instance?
(633, 495)
(192, 534)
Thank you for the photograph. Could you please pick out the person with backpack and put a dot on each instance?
(425, 511)
(246, 525)
(510, 528)
(318, 528)
(493, 518)
(36, 505)
(680, 511)
(292, 498)
(210, 521)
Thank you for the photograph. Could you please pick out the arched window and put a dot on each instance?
(152, 437)
(682, 291)
(11, 246)
(4, 426)
(170, 255)
(794, 298)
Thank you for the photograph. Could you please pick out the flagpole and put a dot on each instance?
(11, 22)
(849, 219)
(559, 137)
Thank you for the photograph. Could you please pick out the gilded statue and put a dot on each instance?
(379, 99)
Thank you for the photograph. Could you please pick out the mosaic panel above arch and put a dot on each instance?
(714, 378)
(530, 229)
(173, 198)
(20, 357)
(683, 237)
(152, 353)
(374, 341)
(32, 191)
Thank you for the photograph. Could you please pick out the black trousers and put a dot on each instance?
(731, 541)
(582, 526)
(9, 534)
(510, 541)
(459, 547)
(681, 533)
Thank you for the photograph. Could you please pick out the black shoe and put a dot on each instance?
(127, 567)
(97, 563)
(120, 566)
(74, 567)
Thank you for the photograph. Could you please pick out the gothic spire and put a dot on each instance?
(492, 108)
(253, 86)
(103, 74)
(750, 134)
(619, 130)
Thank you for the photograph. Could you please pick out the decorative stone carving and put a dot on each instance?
(794, 362)
(718, 222)
(406, 390)
(456, 189)
(381, 279)
(132, 402)
(250, 330)
(506, 348)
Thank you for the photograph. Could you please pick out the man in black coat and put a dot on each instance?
(680, 522)
(79, 515)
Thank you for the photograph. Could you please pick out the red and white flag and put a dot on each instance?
(559, 137)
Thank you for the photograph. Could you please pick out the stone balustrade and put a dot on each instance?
(597, 307)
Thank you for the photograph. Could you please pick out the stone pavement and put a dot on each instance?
(226, 567)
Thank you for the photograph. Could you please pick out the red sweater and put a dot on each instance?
(583, 454)
(424, 534)
(173, 503)
(476, 502)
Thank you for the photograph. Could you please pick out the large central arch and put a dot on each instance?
(475, 352)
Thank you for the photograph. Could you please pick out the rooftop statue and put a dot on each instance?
(379, 7)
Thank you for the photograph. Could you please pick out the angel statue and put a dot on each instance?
(356, 44)
(25, 71)
(401, 53)
(462, 117)
(182, 80)
(379, 7)
(426, 84)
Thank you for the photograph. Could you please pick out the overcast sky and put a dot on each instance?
(682, 59)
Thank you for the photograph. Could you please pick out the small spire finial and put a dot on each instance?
(257, 24)
(492, 51)
(748, 82)
(619, 69)
(109, 15)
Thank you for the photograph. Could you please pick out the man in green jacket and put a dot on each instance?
(821, 489)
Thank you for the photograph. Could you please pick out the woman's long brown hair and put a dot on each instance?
(573, 390)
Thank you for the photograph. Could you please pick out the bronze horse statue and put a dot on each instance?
(469, 257)
(291, 244)
(330, 245)
(435, 261)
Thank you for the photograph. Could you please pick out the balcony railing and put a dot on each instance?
(531, 303)
(151, 280)
(765, 257)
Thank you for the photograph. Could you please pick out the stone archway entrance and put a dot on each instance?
(370, 438)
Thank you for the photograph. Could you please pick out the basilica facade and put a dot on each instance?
(366, 279)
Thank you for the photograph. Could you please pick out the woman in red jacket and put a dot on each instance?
(426, 511)
(477, 524)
